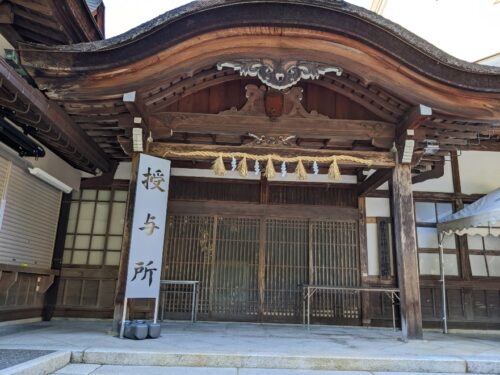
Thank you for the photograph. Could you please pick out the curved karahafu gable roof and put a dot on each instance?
(203, 33)
(325, 15)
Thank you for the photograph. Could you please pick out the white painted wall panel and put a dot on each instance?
(378, 207)
(443, 184)
(479, 171)
(57, 167)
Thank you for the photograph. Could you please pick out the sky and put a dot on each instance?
(467, 29)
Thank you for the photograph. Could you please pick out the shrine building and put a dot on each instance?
(314, 148)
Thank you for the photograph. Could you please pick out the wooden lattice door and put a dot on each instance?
(252, 269)
(335, 261)
(234, 285)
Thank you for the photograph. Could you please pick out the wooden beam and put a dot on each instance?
(405, 131)
(374, 181)
(163, 124)
(406, 251)
(136, 108)
(162, 149)
(415, 117)
(436, 172)
(6, 14)
(263, 210)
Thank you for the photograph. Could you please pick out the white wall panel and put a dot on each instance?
(479, 171)
(378, 207)
(443, 184)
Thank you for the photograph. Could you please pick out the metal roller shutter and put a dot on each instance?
(30, 219)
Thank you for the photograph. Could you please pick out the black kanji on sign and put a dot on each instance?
(153, 180)
(140, 268)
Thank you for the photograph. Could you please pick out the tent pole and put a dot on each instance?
(443, 285)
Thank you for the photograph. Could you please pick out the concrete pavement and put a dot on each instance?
(253, 347)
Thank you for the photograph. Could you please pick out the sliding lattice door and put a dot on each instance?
(335, 261)
(286, 268)
(252, 269)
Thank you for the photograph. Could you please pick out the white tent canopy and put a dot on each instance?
(481, 218)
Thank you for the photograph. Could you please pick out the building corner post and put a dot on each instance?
(406, 251)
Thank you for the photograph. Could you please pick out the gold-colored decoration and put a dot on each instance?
(300, 170)
(220, 170)
(334, 171)
(270, 172)
(218, 167)
(243, 167)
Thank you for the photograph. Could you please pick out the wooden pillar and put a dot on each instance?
(462, 243)
(363, 263)
(50, 298)
(406, 250)
(127, 230)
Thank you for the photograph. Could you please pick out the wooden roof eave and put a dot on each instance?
(61, 74)
(340, 18)
(77, 20)
(74, 137)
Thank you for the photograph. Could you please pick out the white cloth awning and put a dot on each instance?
(481, 218)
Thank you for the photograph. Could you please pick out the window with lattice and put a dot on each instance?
(427, 214)
(95, 227)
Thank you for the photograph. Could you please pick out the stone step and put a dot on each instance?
(87, 369)
(44, 364)
(396, 363)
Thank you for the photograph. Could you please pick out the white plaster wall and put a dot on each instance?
(378, 207)
(57, 167)
(479, 171)
(443, 184)
(124, 170)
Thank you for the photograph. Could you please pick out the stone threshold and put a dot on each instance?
(45, 364)
(417, 364)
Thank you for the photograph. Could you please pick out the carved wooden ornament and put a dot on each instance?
(279, 75)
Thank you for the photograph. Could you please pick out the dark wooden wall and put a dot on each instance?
(88, 291)
(232, 94)
(21, 298)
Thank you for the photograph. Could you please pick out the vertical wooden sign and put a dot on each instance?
(148, 228)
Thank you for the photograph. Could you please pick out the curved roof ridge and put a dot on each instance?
(197, 6)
